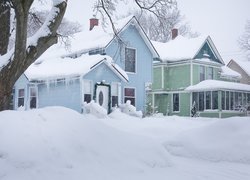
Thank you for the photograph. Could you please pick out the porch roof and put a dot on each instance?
(208, 85)
(58, 67)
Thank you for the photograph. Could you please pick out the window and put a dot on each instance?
(114, 94)
(227, 100)
(87, 91)
(202, 73)
(208, 100)
(210, 73)
(231, 100)
(201, 101)
(33, 97)
(176, 102)
(129, 94)
(20, 97)
(130, 60)
(215, 100)
(223, 105)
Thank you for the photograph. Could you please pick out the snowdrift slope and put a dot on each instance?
(58, 143)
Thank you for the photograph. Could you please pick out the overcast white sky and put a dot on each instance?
(223, 20)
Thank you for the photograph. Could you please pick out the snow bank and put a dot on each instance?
(58, 143)
(95, 109)
(223, 140)
(130, 109)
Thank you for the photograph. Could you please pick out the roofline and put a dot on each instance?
(231, 61)
(143, 34)
(110, 67)
(213, 48)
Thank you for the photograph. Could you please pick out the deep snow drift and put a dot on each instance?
(58, 143)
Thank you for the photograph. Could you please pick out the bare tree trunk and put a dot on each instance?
(4, 27)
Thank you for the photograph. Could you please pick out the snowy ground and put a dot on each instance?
(58, 143)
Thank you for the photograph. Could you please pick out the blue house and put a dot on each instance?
(99, 66)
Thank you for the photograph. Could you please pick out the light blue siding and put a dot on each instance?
(21, 83)
(62, 93)
(144, 59)
(100, 73)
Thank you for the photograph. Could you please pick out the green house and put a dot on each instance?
(191, 73)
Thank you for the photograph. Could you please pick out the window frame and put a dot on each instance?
(84, 93)
(210, 73)
(173, 102)
(202, 78)
(124, 91)
(113, 95)
(135, 61)
(20, 97)
(31, 96)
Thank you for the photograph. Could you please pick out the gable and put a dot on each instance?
(137, 32)
(209, 51)
(102, 72)
(206, 52)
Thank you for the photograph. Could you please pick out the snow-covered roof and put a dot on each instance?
(218, 85)
(182, 48)
(57, 67)
(227, 72)
(245, 65)
(99, 37)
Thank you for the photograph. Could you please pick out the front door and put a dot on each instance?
(102, 96)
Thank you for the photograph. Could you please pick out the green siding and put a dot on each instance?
(161, 103)
(157, 79)
(177, 77)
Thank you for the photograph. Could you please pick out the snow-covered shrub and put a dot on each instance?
(94, 109)
(130, 109)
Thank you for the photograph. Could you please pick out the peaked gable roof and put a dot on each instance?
(229, 73)
(244, 65)
(98, 38)
(182, 48)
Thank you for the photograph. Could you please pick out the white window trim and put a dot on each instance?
(36, 89)
(128, 47)
(83, 89)
(118, 84)
(17, 101)
(129, 87)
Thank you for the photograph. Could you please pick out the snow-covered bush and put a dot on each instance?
(94, 109)
(130, 109)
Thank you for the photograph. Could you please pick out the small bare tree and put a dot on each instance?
(244, 39)
(26, 50)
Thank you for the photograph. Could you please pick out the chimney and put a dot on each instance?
(92, 23)
(174, 33)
